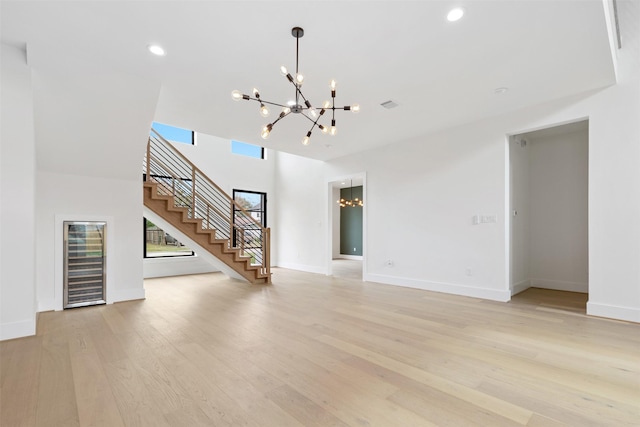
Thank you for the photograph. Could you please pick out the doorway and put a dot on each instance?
(548, 210)
(347, 219)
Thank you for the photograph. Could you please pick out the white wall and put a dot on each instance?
(302, 211)
(213, 156)
(74, 197)
(421, 197)
(450, 176)
(559, 217)
(91, 128)
(176, 266)
(17, 198)
(518, 214)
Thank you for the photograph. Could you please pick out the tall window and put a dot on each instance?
(175, 134)
(254, 202)
(158, 244)
(247, 234)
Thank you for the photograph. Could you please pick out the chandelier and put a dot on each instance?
(301, 105)
(351, 202)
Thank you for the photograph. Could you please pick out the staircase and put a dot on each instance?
(177, 191)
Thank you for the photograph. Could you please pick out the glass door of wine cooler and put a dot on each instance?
(84, 263)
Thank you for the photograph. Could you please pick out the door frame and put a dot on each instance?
(331, 202)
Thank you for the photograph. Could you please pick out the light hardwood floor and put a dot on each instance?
(312, 350)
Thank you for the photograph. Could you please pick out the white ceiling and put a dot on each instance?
(441, 74)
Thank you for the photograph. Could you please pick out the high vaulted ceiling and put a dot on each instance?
(440, 73)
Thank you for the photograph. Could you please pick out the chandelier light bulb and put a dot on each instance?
(313, 112)
(236, 95)
(286, 110)
(333, 131)
(256, 93)
(355, 108)
(306, 139)
(323, 129)
(333, 84)
(326, 104)
(283, 70)
(299, 79)
(264, 111)
(265, 132)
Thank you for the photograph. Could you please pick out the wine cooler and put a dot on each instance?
(84, 263)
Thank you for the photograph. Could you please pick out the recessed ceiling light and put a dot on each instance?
(455, 14)
(501, 90)
(156, 50)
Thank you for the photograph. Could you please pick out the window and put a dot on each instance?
(254, 202)
(247, 234)
(174, 134)
(158, 244)
(248, 150)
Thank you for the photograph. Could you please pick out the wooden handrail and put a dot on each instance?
(195, 168)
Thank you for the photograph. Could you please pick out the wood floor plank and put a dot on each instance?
(241, 391)
(136, 403)
(501, 407)
(20, 361)
(96, 403)
(57, 403)
(319, 350)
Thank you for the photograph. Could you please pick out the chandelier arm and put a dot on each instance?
(315, 121)
(273, 103)
(280, 117)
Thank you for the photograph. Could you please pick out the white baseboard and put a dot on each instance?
(302, 267)
(448, 288)
(24, 328)
(630, 314)
(125, 295)
(520, 287)
(560, 285)
(46, 305)
(351, 257)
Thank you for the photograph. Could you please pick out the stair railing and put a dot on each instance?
(176, 176)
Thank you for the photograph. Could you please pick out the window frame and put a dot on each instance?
(144, 245)
(246, 144)
(193, 133)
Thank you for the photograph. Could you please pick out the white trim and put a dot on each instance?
(351, 257)
(330, 202)
(629, 314)
(48, 304)
(520, 287)
(302, 267)
(176, 266)
(448, 288)
(560, 285)
(23, 328)
(126, 295)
